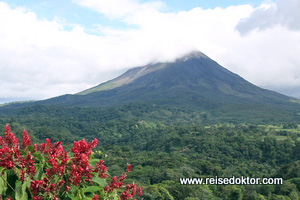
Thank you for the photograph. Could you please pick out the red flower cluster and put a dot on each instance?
(56, 156)
(10, 138)
(101, 169)
(9, 152)
(81, 170)
(29, 165)
(60, 172)
(26, 140)
(129, 168)
(130, 192)
(6, 155)
(36, 186)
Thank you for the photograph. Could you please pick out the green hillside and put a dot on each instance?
(190, 118)
(193, 83)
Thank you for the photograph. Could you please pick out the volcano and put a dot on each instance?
(194, 82)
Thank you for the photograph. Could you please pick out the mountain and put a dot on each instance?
(193, 82)
(194, 79)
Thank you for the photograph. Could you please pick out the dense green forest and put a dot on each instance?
(164, 144)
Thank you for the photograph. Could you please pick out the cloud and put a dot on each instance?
(282, 13)
(40, 59)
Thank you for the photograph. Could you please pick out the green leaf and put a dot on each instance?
(18, 190)
(74, 191)
(39, 173)
(91, 189)
(21, 191)
(38, 156)
(81, 193)
(93, 162)
(92, 155)
(18, 172)
(71, 196)
(102, 182)
(30, 148)
(23, 153)
(3, 186)
(25, 195)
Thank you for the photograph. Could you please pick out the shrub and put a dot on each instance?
(48, 171)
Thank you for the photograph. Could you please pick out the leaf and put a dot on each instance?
(1, 169)
(3, 186)
(17, 171)
(74, 191)
(71, 196)
(18, 190)
(38, 174)
(93, 162)
(25, 195)
(38, 156)
(91, 189)
(30, 148)
(102, 182)
(23, 153)
(21, 191)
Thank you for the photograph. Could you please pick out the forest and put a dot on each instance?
(164, 145)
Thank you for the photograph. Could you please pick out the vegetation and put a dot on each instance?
(194, 86)
(190, 118)
(166, 144)
(53, 173)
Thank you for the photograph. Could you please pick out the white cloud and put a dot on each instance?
(283, 12)
(39, 59)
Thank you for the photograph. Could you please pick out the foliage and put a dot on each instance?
(53, 173)
(165, 144)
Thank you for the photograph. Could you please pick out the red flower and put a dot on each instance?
(1, 141)
(94, 143)
(10, 138)
(140, 191)
(133, 192)
(30, 169)
(122, 176)
(26, 140)
(35, 148)
(57, 165)
(36, 187)
(52, 187)
(125, 195)
(6, 159)
(101, 169)
(129, 167)
(67, 188)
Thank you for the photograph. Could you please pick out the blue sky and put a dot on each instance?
(51, 48)
(71, 13)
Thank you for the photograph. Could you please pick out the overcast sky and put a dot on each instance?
(50, 48)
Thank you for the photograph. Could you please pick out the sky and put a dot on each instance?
(51, 48)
